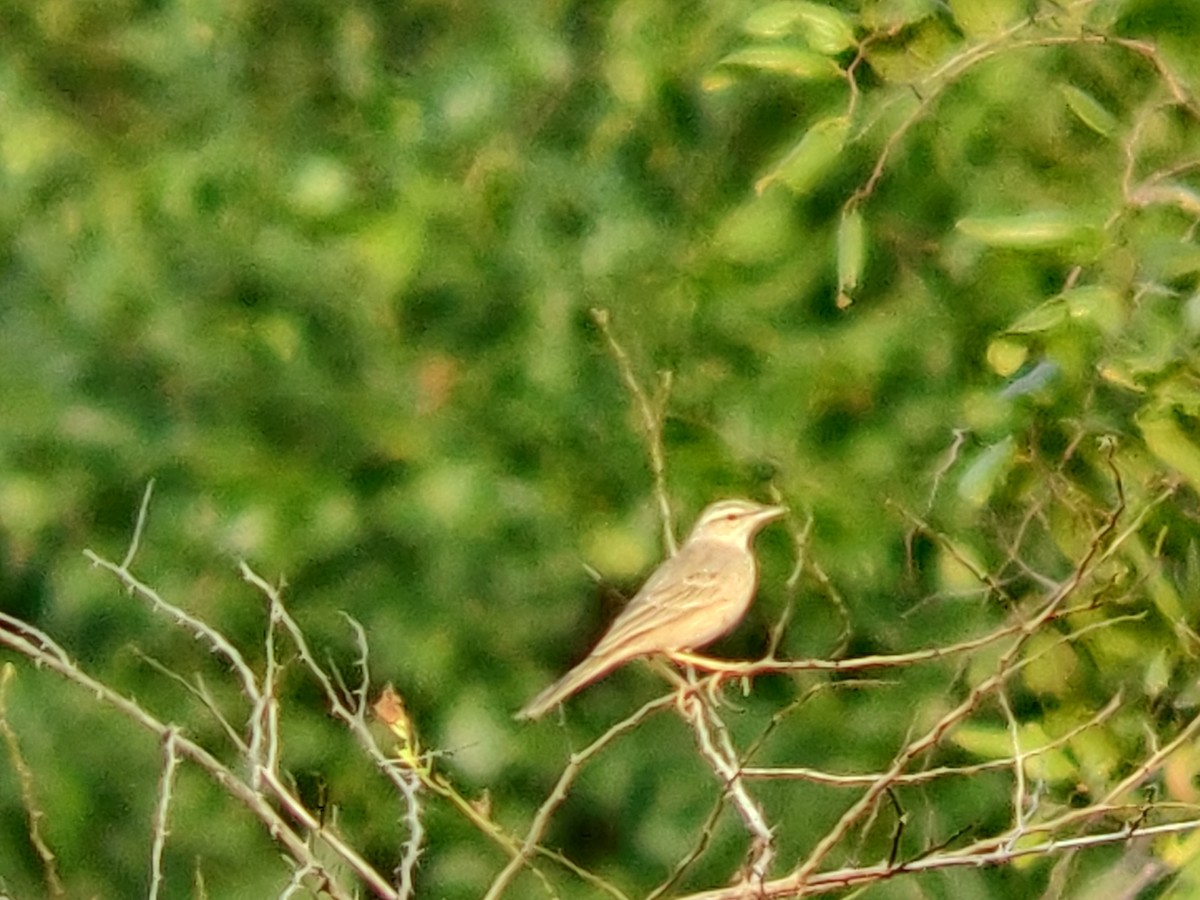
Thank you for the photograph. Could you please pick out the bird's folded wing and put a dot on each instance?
(652, 620)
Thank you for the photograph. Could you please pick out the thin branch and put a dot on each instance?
(1007, 664)
(48, 654)
(162, 809)
(217, 641)
(712, 739)
(140, 526)
(840, 879)
(558, 794)
(34, 814)
(652, 422)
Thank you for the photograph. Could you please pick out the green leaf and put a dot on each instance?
(979, 18)
(823, 28)
(1169, 443)
(1089, 111)
(1043, 317)
(773, 20)
(1098, 305)
(1005, 356)
(803, 167)
(1180, 394)
(925, 45)
(1167, 258)
(996, 742)
(826, 29)
(1095, 305)
(983, 741)
(783, 60)
(896, 14)
(1157, 677)
(758, 231)
(987, 471)
(852, 251)
(1040, 230)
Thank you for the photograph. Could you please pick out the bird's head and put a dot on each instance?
(735, 521)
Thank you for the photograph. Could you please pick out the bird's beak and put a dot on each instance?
(770, 514)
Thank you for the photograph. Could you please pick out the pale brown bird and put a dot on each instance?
(692, 599)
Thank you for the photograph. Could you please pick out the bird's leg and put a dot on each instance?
(718, 669)
(687, 684)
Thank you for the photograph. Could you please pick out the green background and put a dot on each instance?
(325, 272)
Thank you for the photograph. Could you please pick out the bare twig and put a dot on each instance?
(162, 810)
(652, 423)
(41, 650)
(34, 814)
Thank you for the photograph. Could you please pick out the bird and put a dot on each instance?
(691, 599)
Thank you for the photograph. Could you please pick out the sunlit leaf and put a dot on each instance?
(1098, 305)
(826, 29)
(894, 14)
(1120, 375)
(1050, 665)
(804, 166)
(756, 231)
(988, 470)
(923, 48)
(1169, 443)
(1042, 317)
(986, 17)
(1157, 677)
(1180, 393)
(1029, 231)
(983, 741)
(782, 59)
(986, 742)
(1089, 111)
(773, 20)
(1005, 356)
(1092, 304)
(823, 28)
(851, 245)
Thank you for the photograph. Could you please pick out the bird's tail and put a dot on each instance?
(583, 674)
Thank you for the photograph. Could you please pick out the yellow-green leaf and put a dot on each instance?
(773, 20)
(928, 42)
(783, 60)
(824, 28)
(979, 18)
(1168, 442)
(1005, 356)
(983, 741)
(1157, 677)
(1181, 393)
(1093, 304)
(803, 167)
(852, 251)
(1088, 110)
(1098, 305)
(1029, 231)
(996, 742)
(987, 471)
(1042, 317)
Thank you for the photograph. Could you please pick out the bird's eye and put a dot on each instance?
(731, 517)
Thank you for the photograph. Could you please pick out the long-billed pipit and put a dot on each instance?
(692, 599)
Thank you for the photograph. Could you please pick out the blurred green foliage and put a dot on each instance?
(324, 272)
